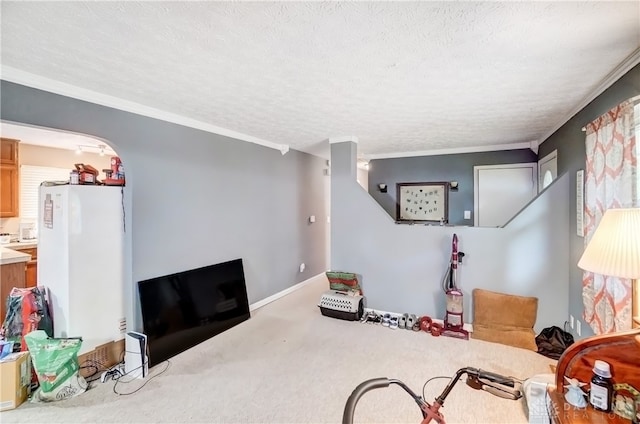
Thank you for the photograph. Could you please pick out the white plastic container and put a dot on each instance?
(27, 231)
(74, 177)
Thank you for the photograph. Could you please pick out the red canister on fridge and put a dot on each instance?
(116, 176)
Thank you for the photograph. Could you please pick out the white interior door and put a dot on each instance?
(501, 191)
(547, 170)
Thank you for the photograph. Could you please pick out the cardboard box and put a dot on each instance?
(15, 380)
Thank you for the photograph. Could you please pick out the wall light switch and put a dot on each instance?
(312, 218)
(578, 328)
(467, 214)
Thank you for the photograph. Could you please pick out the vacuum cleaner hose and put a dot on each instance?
(447, 282)
(364, 387)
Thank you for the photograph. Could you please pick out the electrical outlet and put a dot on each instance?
(302, 267)
(578, 328)
(571, 319)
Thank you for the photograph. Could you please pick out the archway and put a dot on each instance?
(86, 278)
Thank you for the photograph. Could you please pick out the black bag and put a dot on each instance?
(553, 341)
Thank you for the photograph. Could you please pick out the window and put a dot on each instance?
(611, 181)
(635, 289)
(636, 118)
(30, 179)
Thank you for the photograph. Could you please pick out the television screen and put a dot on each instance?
(183, 309)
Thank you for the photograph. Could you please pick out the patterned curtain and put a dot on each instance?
(611, 181)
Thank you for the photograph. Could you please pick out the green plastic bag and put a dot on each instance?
(56, 365)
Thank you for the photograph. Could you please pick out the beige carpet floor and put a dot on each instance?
(290, 364)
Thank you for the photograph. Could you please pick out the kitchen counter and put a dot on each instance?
(9, 256)
(27, 244)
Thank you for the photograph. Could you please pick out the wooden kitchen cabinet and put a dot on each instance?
(31, 267)
(9, 192)
(9, 151)
(9, 178)
(11, 275)
(31, 274)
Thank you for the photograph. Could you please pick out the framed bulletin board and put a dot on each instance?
(422, 202)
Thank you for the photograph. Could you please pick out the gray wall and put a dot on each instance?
(458, 167)
(402, 266)
(194, 198)
(569, 141)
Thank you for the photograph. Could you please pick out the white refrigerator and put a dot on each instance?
(80, 260)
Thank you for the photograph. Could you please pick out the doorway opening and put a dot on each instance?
(76, 232)
(547, 170)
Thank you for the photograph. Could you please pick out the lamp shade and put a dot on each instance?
(614, 249)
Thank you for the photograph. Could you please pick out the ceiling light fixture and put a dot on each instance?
(100, 149)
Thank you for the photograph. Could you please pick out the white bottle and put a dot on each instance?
(74, 177)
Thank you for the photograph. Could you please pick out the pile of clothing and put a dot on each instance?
(27, 311)
(28, 326)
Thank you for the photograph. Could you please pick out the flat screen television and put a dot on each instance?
(183, 309)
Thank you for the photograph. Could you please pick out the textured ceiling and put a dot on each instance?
(400, 76)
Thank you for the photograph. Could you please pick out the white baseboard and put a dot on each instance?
(267, 300)
(467, 326)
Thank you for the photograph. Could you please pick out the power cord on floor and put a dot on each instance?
(432, 378)
(551, 412)
(120, 379)
(97, 368)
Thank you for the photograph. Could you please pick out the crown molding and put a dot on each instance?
(343, 139)
(18, 76)
(625, 66)
(453, 151)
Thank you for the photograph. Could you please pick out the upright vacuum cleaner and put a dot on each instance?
(453, 319)
(496, 384)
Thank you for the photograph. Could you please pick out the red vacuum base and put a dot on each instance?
(456, 332)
